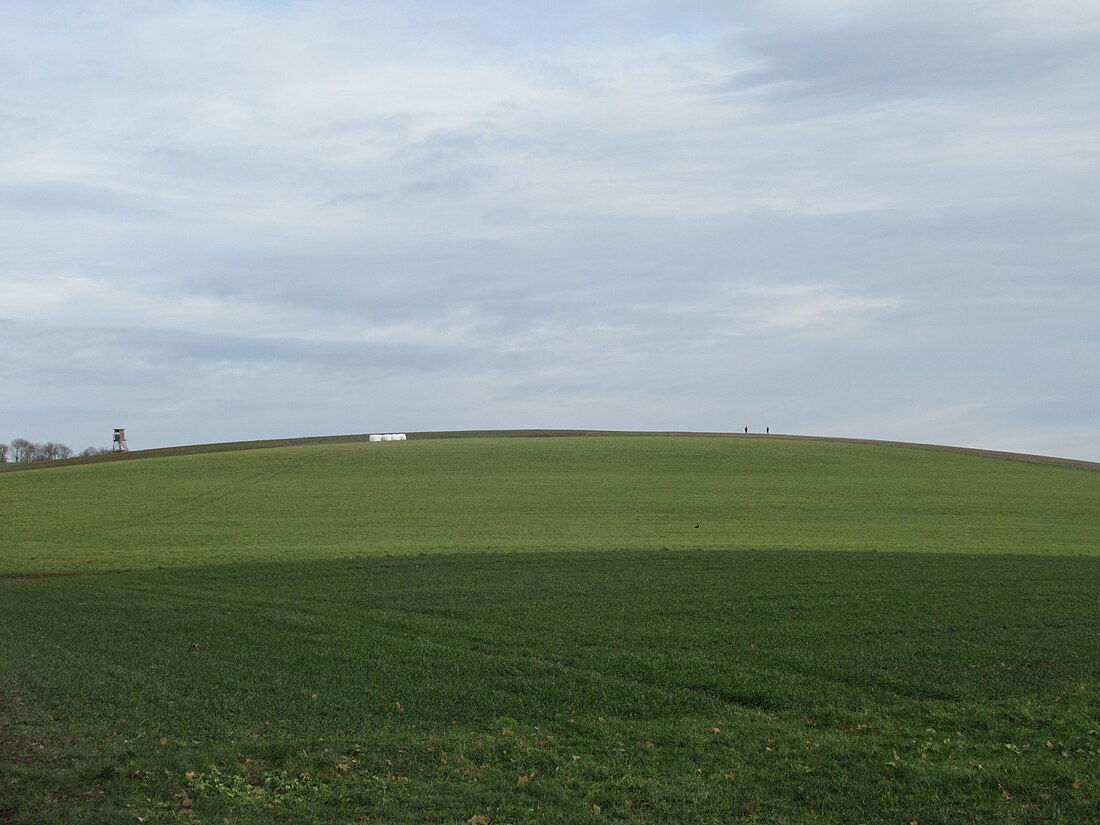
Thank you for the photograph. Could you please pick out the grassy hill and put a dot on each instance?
(550, 629)
(331, 500)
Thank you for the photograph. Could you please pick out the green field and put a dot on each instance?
(584, 629)
(538, 494)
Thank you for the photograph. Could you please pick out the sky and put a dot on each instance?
(245, 219)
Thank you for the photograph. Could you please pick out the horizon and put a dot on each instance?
(341, 438)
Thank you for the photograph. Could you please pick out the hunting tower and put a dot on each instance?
(119, 445)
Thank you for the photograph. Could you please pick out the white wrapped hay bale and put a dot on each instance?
(400, 437)
(387, 436)
(374, 438)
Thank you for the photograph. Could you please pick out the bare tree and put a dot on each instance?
(90, 451)
(3, 453)
(53, 451)
(22, 450)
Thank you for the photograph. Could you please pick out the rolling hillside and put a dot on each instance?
(328, 499)
(547, 629)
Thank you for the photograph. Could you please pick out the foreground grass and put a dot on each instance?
(535, 494)
(578, 687)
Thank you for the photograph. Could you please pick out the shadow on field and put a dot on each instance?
(558, 687)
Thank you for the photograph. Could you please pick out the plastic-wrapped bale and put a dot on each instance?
(374, 438)
(387, 436)
(399, 437)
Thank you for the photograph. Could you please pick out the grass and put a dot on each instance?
(632, 687)
(535, 494)
(345, 633)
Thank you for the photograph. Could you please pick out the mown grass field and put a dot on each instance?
(347, 633)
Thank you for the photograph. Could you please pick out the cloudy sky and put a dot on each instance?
(247, 219)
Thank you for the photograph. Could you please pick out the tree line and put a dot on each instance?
(22, 451)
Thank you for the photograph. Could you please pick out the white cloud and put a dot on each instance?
(812, 305)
